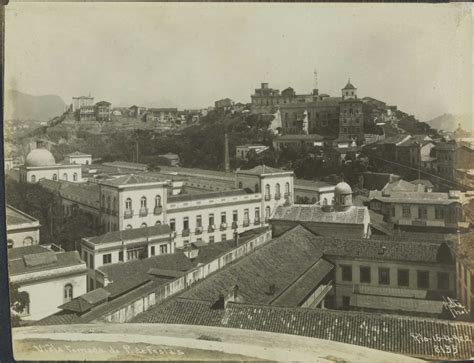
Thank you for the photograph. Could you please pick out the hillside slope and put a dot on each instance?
(450, 122)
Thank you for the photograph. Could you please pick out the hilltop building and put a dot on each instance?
(102, 111)
(78, 158)
(22, 229)
(137, 111)
(40, 164)
(241, 151)
(81, 101)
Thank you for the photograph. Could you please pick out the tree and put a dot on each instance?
(19, 300)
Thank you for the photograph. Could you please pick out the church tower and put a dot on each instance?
(349, 91)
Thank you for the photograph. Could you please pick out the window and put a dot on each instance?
(403, 277)
(439, 213)
(108, 202)
(143, 225)
(240, 183)
(257, 213)
(246, 216)
(365, 274)
(223, 237)
(267, 212)
(235, 216)
(28, 241)
(287, 187)
(68, 295)
(129, 226)
(443, 281)
(26, 297)
(33, 178)
(55, 177)
(152, 250)
(128, 204)
(199, 221)
(267, 190)
(107, 258)
(392, 211)
(223, 217)
(346, 302)
(257, 188)
(423, 279)
(211, 219)
(74, 177)
(65, 176)
(158, 201)
(346, 272)
(120, 256)
(422, 212)
(143, 202)
(163, 249)
(384, 276)
(91, 261)
(173, 224)
(277, 188)
(186, 223)
(406, 212)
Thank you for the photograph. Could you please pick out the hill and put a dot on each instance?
(450, 122)
(22, 106)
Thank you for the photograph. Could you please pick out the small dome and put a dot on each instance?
(40, 157)
(342, 188)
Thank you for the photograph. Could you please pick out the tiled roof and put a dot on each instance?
(377, 223)
(424, 182)
(19, 252)
(414, 197)
(446, 146)
(15, 216)
(400, 334)
(262, 169)
(130, 180)
(118, 271)
(349, 85)
(60, 318)
(316, 213)
(312, 137)
(206, 195)
(403, 186)
(131, 234)
(21, 265)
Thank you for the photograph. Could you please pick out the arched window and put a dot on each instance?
(287, 187)
(240, 185)
(267, 212)
(143, 202)
(129, 226)
(108, 202)
(68, 293)
(158, 201)
(74, 177)
(33, 178)
(55, 177)
(257, 188)
(143, 225)
(128, 204)
(28, 241)
(267, 191)
(277, 188)
(157, 223)
(325, 201)
(65, 176)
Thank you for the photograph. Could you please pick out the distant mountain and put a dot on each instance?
(160, 103)
(450, 122)
(22, 106)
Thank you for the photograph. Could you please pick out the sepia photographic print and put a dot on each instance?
(238, 181)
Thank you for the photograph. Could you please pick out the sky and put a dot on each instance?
(415, 56)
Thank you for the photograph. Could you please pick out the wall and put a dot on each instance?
(83, 160)
(125, 313)
(18, 236)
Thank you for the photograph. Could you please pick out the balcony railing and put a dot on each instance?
(223, 226)
(277, 196)
(157, 210)
(198, 230)
(211, 228)
(143, 212)
(256, 222)
(185, 232)
(268, 197)
(128, 213)
(234, 224)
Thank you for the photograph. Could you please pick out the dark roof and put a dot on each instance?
(376, 181)
(118, 271)
(206, 195)
(15, 216)
(130, 234)
(262, 169)
(78, 153)
(130, 180)
(103, 103)
(399, 334)
(349, 85)
(27, 261)
(302, 137)
(424, 182)
(316, 213)
(377, 223)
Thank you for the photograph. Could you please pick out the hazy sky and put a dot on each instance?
(415, 56)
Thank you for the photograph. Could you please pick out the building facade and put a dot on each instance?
(82, 101)
(22, 229)
(102, 111)
(78, 158)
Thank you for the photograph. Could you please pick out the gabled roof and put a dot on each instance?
(262, 170)
(349, 85)
(131, 234)
(15, 216)
(402, 186)
(130, 180)
(316, 213)
(424, 182)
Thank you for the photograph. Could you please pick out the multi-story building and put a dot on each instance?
(136, 111)
(300, 141)
(224, 104)
(48, 278)
(22, 229)
(241, 151)
(465, 276)
(452, 156)
(78, 158)
(87, 113)
(40, 164)
(164, 116)
(102, 111)
(351, 116)
(81, 101)
(421, 210)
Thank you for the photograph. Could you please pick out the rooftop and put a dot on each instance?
(131, 180)
(126, 165)
(208, 195)
(78, 153)
(311, 137)
(419, 197)
(316, 213)
(403, 186)
(131, 234)
(16, 217)
(263, 170)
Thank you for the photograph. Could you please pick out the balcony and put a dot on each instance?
(277, 196)
(143, 212)
(198, 230)
(157, 210)
(246, 223)
(268, 197)
(235, 224)
(223, 226)
(185, 232)
(211, 228)
(128, 214)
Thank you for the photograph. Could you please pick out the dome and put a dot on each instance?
(343, 188)
(40, 157)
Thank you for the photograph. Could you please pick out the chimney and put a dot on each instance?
(226, 153)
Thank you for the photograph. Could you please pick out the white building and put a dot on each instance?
(49, 278)
(241, 151)
(22, 229)
(40, 164)
(78, 158)
(81, 101)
